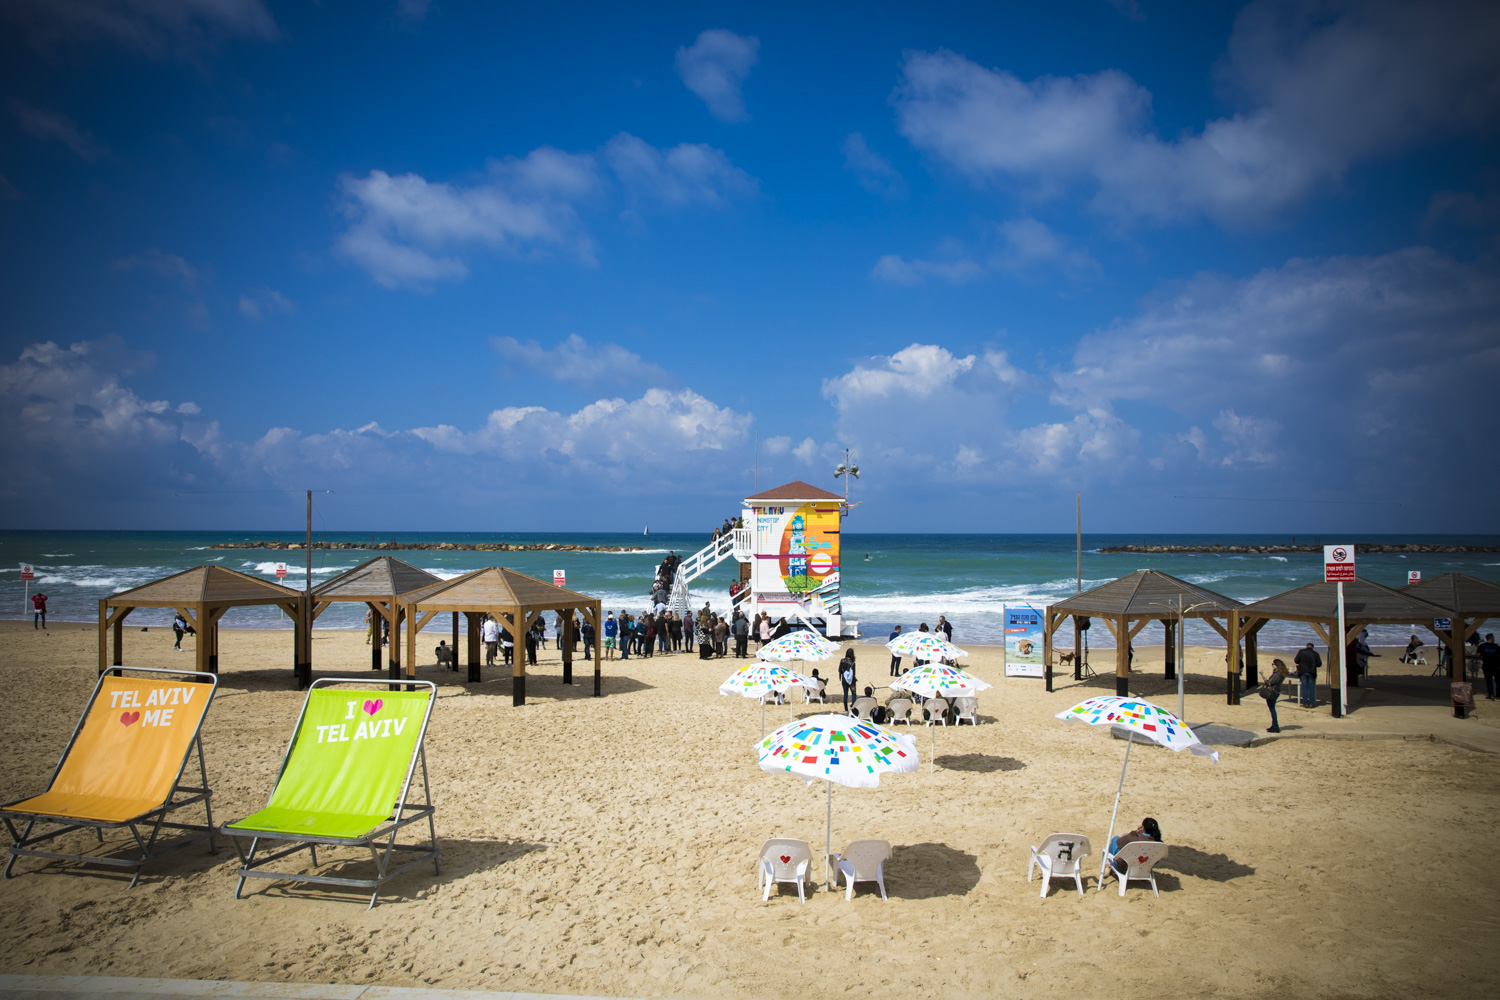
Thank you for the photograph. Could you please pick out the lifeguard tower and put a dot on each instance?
(788, 550)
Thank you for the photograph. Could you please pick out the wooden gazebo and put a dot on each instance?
(1471, 600)
(1145, 596)
(515, 600)
(1365, 603)
(202, 594)
(378, 583)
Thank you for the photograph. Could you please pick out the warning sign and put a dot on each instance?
(559, 577)
(1338, 564)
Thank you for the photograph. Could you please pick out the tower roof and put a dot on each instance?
(794, 490)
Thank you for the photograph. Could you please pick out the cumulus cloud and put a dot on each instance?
(406, 230)
(155, 28)
(163, 265)
(873, 171)
(715, 66)
(576, 361)
(894, 269)
(686, 174)
(1027, 243)
(54, 126)
(1322, 87)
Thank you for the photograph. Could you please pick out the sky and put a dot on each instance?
(587, 267)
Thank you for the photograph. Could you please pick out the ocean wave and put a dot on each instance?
(269, 569)
(57, 555)
(1278, 558)
(1204, 579)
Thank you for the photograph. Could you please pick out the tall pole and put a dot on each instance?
(1343, 702)
(1078, 499)
(1181, 636)
(307, 599)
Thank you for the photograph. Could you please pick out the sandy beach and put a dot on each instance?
(607, 846)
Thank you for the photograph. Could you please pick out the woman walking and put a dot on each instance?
(1270, 690)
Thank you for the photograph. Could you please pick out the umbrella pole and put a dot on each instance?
(933, 756)
(828, 839)
(1104, 854)
(763, 721)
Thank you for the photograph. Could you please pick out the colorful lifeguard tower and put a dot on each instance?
(788, 550)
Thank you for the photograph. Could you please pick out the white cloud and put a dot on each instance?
(897, 270)
(406, 230)
(686, 174)
(1251, 439)
(1323, 87)
(715, 66)
(156, 28)
(873, 171)
(54, 126)
(259, 303)
(1027, 243)
(413, 11)
(163, 265)
(575, 361)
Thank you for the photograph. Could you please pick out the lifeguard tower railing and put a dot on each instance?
(736, 543)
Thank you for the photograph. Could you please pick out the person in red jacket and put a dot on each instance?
(39, 610)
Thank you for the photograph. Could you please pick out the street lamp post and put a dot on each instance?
(1181, 632)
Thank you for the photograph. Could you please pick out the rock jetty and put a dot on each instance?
(394, 546)
(1276, 550)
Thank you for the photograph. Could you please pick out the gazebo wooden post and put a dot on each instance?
(201, 626)
(119, 630)
(565, 639)
(1252, 654)
(471, 623)
(1047, 628)
(1122, 657)
(599, 641)
(103, 635)
(1171, 645)
(397, 609)
(453, 656)
(1232, 695)
(1077, 651)
(377, 619)
(520, 622)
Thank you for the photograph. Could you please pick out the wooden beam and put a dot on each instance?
(103, 635)
(453, 653)
(1048, 627)
(377, 619)
(1170, 624)
(319, 607)
(1322, 632)
(1232, 691)
(1122, 657)
(398, 614)
(201, 617)
(598, 612)
(1252, 658)
(1077, 651)
(520, 622)
(472, 624)
(1141, 623)
(119, 629)
(414, 622)
(1213, 623)
(565, 638)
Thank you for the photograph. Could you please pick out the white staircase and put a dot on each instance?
(736, 544)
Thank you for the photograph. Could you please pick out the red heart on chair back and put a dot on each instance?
(786, 859)
(130, 718)
(1141, 859)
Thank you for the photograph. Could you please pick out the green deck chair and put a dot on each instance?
(345, 780)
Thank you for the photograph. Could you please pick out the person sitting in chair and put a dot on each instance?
(1411, 649)
(1148, 830)
(444, 654)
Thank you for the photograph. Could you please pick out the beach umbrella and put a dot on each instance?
(937, 680)
(924, 646)
(837, 748)
(756, 680)
(802, 644)
(1137, 718)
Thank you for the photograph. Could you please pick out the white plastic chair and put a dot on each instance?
(965, 709)
(900, 709)
(937, 712)
(816, 696)
(1061, 854)
(863, 707)
(862, 861)
(1139, 857)
(784, 860)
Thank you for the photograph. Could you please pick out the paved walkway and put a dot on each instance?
(122, 988)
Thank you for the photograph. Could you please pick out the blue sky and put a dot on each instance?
(545, 267)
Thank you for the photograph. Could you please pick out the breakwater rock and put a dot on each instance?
(394, 546)
(1276, 550)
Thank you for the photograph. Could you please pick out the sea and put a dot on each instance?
(886, 578)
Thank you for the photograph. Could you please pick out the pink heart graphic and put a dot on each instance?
(374, 706)
(129, 718)
(786, 859)
(1142, 859)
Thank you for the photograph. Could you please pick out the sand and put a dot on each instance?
(607, 846)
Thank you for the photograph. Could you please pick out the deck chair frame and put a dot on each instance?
(403, 814)
(179, 797)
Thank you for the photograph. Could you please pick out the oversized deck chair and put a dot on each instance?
(124, 767)
(344, 782)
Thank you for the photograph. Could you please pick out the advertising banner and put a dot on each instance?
(1023, 642)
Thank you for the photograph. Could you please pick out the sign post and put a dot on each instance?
(28, 573)
(1413, 576)
(281, 571)
(1338, 567)
(559, 577)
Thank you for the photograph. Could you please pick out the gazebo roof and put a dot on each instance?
(1143, 594)
(1468, 596)
(1364, 601)
(383, 576)
(495, 587)
(794, 490)
(212, 585)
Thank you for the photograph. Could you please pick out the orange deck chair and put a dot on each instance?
(123, 768)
